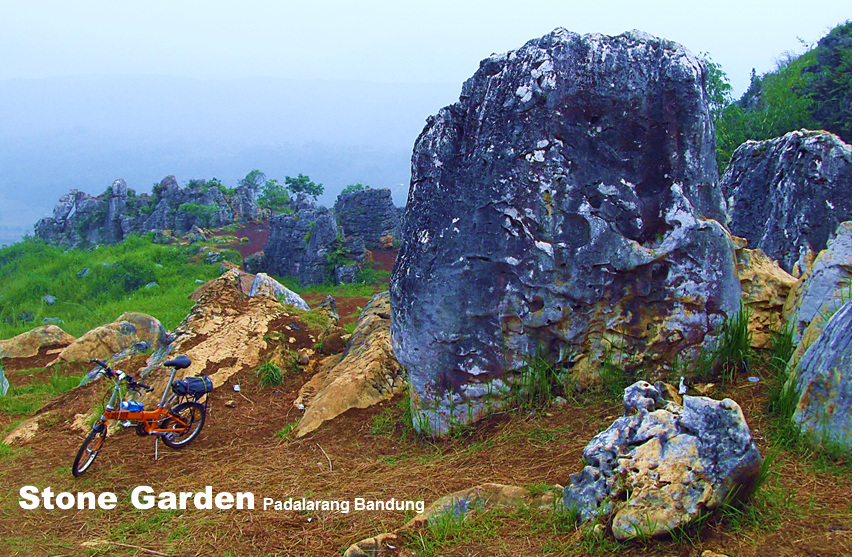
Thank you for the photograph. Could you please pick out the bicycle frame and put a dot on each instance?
(150, 419)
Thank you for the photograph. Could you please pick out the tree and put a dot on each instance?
(302, 184)
(254, 180)
(275, 197)
(717, 87)
(355, 187)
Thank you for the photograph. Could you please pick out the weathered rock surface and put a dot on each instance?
(28, 344)
(79, 218)
(223, 334)
(567, 203)
(264, 284)
(824, 383)
(370, 214)
(666, 465)
(787, 195)
(765, 287)
(366, 374)
(309, 246)
(821, 291)
(124, 333)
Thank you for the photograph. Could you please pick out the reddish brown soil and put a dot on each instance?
(256, 232)
(359, 455)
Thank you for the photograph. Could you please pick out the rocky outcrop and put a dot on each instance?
(666, 465)
(370, 214)
(28, 344)
(765, 288)
(129, 332)
(309, 246)
(80, 219)
(821, 291)
(787, 195)
(366, 374)
(823, 386)
(566, 204)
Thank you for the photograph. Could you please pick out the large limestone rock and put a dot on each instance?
(666, 465)
(106, 341)
(824, 383)
(79, 218)
(765, 288)
(309, 246)
(820, 292)
(787, 195)
(566, 204)
(366, 374)
(370, 214)
(28, 344)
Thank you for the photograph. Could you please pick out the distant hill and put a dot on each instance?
(85, 132)
(812, 91)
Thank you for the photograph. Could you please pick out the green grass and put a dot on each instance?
(26, 399)
(269, 374)
(115, 283)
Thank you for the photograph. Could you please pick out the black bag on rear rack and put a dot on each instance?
(193, 387)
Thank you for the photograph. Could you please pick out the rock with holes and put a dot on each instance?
(787, 195)
(765, 288)
(264, 284)
(666, 465)
(567, 204)
(823, 383)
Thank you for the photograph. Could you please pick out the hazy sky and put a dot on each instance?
(389, 41)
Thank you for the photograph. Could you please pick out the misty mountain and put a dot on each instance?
(84, 132)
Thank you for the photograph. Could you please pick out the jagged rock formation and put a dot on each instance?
(823, 386)
(666, 465)
(79, 218)
(821, 291)
(309, 246)
(370, 214)
(765, 288)
(365, 374)
(787, 195)
(566, 204)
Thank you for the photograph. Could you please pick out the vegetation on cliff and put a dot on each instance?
(813, 91)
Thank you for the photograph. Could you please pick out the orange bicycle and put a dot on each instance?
(177, 424)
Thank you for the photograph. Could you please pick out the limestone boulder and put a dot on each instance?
(129, 330)
(823, 386)
(365, 374)
(566, 204)
(665, 467)
(28, 344)
(370, 214)
(309, 246)
(820, 292)
(787, 195)
(264, 284)
(765, 288)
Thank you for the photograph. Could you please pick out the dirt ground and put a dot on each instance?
(370, 454)
(804, 508)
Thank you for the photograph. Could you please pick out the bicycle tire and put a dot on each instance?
(192, 413)
(86, 455)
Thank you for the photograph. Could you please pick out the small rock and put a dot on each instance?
(49, 300)
(231, 404)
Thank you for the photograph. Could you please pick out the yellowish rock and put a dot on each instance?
(28, 344)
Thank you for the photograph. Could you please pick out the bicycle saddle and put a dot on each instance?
(179, 362)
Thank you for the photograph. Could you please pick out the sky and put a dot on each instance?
(386, 41)
(96, 90)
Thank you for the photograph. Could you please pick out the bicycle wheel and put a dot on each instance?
(193, 415)
(89, 450)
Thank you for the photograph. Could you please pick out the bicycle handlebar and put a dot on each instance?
(109, 372)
